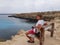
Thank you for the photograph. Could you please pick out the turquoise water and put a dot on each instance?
(10, 26)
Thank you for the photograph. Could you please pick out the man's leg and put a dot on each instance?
(30, 38)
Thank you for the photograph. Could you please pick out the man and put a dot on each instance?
(36, 30)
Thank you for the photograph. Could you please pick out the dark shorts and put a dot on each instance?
(37, 34)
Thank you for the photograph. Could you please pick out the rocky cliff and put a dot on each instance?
(21, 39)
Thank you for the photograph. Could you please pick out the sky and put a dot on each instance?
(24, 6)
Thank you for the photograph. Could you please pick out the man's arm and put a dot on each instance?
(45, 24)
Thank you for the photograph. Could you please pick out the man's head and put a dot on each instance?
(39, 16)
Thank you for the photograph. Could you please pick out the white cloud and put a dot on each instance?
(18, 6)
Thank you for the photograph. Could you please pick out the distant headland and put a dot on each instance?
(32, 16)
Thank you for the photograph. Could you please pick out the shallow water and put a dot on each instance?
(10, 26)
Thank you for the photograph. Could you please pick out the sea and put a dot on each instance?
(9, 26)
